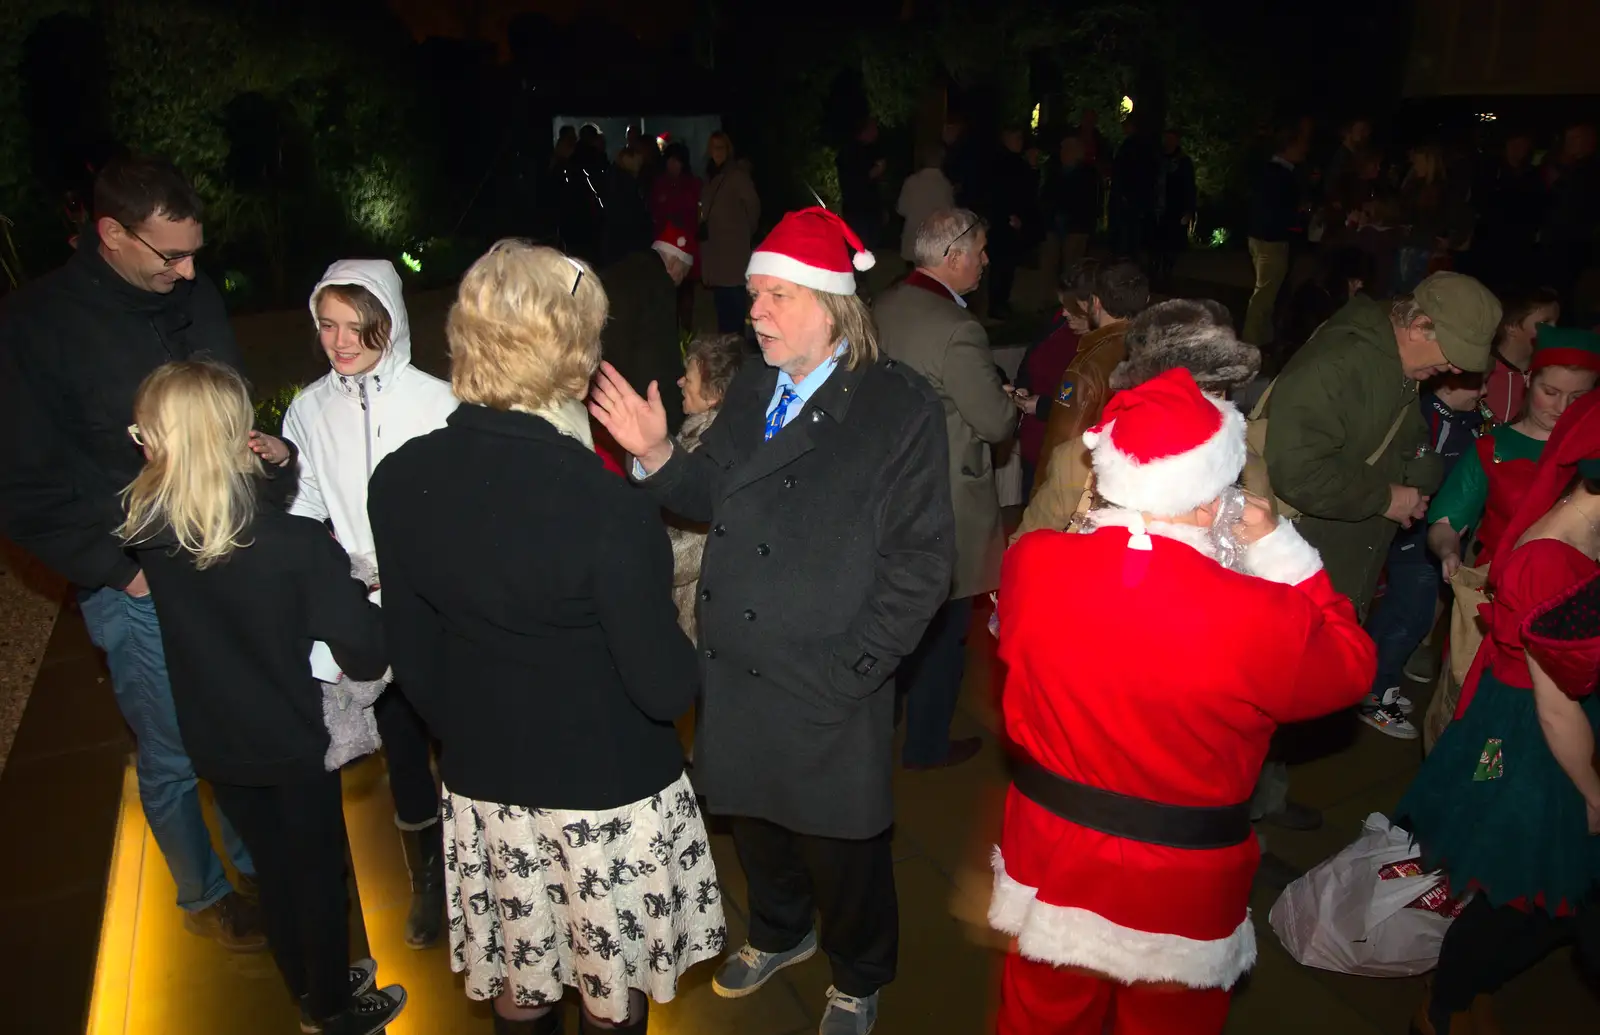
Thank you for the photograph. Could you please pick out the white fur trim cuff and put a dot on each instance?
(774, 264)
(1282, 555)
(1068, 936)
(1171, 485)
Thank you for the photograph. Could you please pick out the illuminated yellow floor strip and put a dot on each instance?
(108, 1009)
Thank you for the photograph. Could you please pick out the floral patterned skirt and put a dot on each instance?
(604, 901)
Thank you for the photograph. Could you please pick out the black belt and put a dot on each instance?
(1121, 815)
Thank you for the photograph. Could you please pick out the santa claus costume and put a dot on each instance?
(1142, 702)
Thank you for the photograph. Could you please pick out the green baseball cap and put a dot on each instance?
(1465, 317)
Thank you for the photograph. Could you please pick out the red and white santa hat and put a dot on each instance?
(1165, 448)
(812, 247)
(673, 243)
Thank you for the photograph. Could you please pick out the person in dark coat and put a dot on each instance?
(641, 336)
(243, 590)
(527, 599)
(1175, 206)
(74, 346)
(1013, 218)
(628, 226)
(1510, 199)
(1133, 191)
(860, 165)
(825, 480)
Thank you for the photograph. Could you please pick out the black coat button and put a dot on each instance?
(720, 530)
(788, 481)
(705, 594)
(749, 615)
(755, 673)
(762, 549)
(711, 655)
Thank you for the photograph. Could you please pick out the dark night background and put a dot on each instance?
(319, 128)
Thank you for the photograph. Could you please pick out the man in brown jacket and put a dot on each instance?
(924, 323)
(1118, 292)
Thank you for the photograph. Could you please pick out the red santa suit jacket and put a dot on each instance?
(1158, 674)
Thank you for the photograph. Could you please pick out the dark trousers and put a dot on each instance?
(1487, 946)
(733, 306)
(406, 746)
(1406, 612)
(296, 834)
(931, 680)
(849, 884)
(1002, 275)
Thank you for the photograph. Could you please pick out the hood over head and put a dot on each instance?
(379, 277)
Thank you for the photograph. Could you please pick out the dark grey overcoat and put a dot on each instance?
(831, 547)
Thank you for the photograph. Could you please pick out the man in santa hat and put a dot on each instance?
(825, 482)
(640, 337)
(1142, 706)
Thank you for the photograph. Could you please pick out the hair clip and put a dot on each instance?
(577, 280)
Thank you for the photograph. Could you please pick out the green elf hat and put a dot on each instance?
(1566, 347)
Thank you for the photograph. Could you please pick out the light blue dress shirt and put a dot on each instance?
(806, 388)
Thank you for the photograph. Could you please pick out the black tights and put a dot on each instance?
(1489, 945)
(406, 746)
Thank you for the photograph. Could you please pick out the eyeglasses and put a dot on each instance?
(954, 240)
(167, 260)
(135, 434)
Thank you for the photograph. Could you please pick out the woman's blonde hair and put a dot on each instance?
(852, 322)
(194, 418)
(524, 331)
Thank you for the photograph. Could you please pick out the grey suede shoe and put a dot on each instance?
(848, 1014)
(750, 968)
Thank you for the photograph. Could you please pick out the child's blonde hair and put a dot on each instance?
(194, 418)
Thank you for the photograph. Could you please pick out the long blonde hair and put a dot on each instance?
(194, 418)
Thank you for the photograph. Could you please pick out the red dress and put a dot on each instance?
(1162, 675)
(1509, 482)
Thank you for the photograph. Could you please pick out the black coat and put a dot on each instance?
(74, 346)
(527, 592)
(831, 547)
(238, 641)
(640, 338)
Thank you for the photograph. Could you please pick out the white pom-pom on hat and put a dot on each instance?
(863, 261)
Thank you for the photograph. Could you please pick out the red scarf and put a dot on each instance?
(933, 285)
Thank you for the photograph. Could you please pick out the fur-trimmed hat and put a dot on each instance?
(1195, 334)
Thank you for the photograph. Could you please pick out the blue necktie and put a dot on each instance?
(775, 418)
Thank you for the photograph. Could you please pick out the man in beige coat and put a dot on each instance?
(924, 323)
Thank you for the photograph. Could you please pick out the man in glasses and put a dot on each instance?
(74, 346)
(925, 324)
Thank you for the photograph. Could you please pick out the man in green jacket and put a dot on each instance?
(1330, 452)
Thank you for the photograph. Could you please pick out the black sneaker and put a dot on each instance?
(363, 974)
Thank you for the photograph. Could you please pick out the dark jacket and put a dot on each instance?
(1176, 196)
(528, 594)
(74, 346)
(831, 547)
(238, 639)
(640, 337)
(628, 226)
(1329, 410)
(1275, 204)
(861, 196)
(1014, 191)
(1072, 198)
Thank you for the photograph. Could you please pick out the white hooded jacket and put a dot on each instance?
(344, 426)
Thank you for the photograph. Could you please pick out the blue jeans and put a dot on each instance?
(126, 629)
(931, 677)
(1406, 612)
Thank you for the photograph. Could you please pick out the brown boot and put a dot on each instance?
(231, 922)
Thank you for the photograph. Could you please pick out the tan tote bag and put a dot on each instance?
(1466, 636)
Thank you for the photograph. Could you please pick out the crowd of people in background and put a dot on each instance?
(604, 522)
